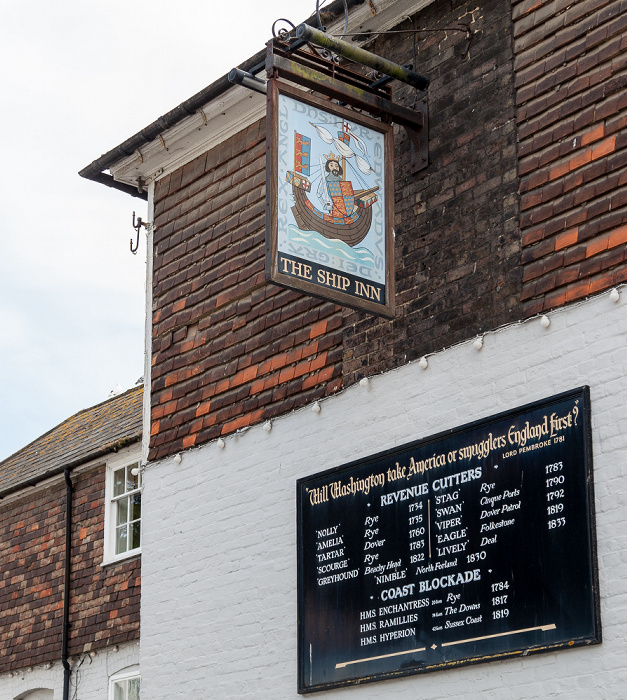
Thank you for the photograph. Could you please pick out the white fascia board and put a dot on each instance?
(230, 113)
(385, 15)
(239, 107)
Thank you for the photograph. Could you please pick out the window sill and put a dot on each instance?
(122, 559)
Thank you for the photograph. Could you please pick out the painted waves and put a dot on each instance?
(314, 240)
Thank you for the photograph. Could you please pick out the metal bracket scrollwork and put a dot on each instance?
(283, 33)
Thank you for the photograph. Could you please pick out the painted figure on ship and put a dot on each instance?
(341, 212)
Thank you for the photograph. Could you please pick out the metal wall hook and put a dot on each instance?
(137, 226)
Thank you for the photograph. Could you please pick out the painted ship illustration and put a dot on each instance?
(345, 213)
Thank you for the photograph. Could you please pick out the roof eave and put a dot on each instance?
(96, 170)
(97, 454)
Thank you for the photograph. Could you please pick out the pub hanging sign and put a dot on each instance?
(329, 201)
(474, 544)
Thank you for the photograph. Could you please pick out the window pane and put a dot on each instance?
(120, 539)
(118, 481)
(122, 511)
(136, 506)
(136, 534)
(132, 482)
(118, 691)
(133, 689)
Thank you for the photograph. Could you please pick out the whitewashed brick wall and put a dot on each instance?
(89, 680)
(219, 547)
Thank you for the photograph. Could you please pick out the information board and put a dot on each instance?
(474, 544)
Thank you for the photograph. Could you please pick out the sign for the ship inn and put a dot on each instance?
(329, 201)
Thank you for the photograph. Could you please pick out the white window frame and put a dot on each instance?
(126, 675)
(109, 555)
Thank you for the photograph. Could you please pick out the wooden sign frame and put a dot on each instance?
(344, 253)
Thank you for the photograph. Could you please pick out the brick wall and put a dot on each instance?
(228, 350)
(104, 601)
(491, 232)
(32, 543)
(571, 97)
(456, 222)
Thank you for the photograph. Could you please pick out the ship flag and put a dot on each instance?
(302, 153)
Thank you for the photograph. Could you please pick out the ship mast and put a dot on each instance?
(343, 158)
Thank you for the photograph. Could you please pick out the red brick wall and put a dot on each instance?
(522, 208)
(32, 543)
(571, 96)
(228, 350)
(104, 601)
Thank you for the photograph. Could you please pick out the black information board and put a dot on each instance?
(474, 544)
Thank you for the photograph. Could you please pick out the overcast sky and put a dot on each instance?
(79, 77)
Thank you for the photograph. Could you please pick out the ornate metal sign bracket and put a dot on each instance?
(288, 59)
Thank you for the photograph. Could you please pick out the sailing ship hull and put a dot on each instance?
(349, 229)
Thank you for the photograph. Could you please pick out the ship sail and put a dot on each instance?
(346, 214)
(343, 148)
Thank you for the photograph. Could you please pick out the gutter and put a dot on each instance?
(96, 170)
(33, 481)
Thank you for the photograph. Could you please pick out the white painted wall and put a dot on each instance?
(89, 680)
(219, 547)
